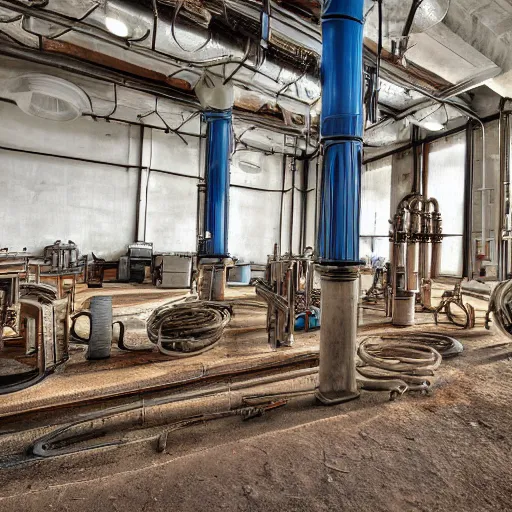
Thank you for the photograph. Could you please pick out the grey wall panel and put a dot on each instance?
(446, 172)
(171, 213)
(170, 153)
(375, 198)
(311, 205)
(45, 199)
(401, 178)
(82, 138)
(254, 169)
(297, 220)
(446, 176)
(253, 224)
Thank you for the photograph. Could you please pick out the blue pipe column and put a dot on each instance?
(338, 233)
(218, 151)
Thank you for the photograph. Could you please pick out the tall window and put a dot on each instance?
(446, 176)
(375, 204)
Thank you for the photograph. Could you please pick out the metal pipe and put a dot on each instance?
(139, 183)
(338, 242)
(467, 270)
(284, 159)
(304, 206)
(436, 230)
(505, 232)
(416, 183)
(292, 208)
(317, 193)
(484, 190)
(102, 35)
(66, 157)
(339, 302)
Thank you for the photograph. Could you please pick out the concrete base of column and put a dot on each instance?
(337, 371)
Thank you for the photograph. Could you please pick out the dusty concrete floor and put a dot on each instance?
(444, 452)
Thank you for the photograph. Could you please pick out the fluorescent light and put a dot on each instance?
(116, 27)
(432, 126)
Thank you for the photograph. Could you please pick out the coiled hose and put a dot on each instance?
(188, 329)
(500, 305)
(403, 363)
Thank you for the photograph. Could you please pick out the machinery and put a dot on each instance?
(34, 330)
(500, 307)
(63, 257)
(132, 267)
(172, 270)
(452, 304)
(381, 277)
(9, 304)
(293, 303)
(140, 255)
(416, 238)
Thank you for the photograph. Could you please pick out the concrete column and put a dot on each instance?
(337, 377)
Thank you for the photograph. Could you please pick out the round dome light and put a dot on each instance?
(48, 97)
(116, 27)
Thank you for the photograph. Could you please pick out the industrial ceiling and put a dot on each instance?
(435, 58)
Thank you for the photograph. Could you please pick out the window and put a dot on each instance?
(446, 177)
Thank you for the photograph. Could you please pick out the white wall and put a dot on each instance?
(402, 178)
(376, 193)
(254, 214)
(171, 213)
(45, 198)
(95, 205)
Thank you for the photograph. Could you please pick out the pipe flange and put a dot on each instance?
(338, 272)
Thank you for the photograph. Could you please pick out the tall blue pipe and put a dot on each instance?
(218, 150)
(341, 130)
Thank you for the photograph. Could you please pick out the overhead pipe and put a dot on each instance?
(341, 127)
(467, 265)
(173, 54)
(484, 190)
(89, 70)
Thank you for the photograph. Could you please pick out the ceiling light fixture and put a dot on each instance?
(116, 27)
(47, 96)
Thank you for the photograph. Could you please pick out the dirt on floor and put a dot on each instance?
(449, 451)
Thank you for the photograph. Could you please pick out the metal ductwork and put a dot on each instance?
(165, 41)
